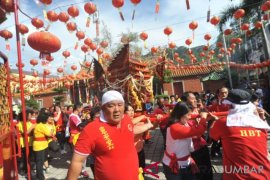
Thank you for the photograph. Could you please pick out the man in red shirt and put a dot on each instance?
(110, 139)
(244, 139)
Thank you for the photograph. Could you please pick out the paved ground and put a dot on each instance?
(154, 152)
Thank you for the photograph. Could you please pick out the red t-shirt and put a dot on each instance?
(59, 123)
(113, 148)
(244, 149)
(198, 141)
(218, 108)
(74, 121)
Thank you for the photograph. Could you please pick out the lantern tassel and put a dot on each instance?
(145, 45)
(121, 15)
(23, 41)
(88, 22)
(193, 35)
(8, 46)
(208, 15)
(187, 3)
(48, 27)
(157, 7)
(45, 14)
(76, 45)
(133, 14)
(97, 28)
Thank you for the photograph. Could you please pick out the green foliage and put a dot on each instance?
(32, 103)
(60, 90)
(58, 100)
(167, 76)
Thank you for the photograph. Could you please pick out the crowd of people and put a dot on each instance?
(112, 135)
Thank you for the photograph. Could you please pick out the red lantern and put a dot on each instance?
(176, 55)
(202, 54)
(23, 29)
(168, 31)
(245, 27)
(193, 25)
(52, 16)
(88, 41)
(7, 5)
(66, 54)
(172, 45)
(33, 62)
(46, 2)
(49, 58)
(215, 20)
(38, 23)
(104, 44)
(71, 26)
(265, 17)
(35, 74)
(63, 17)
(207, 37)
(90, 8)
(227, 32)
(18, 65)
(118, 4)
(264, 7)
(99, 51)
(87, 64)
(143, 36)
(46, 72)
(84, 48)
(239, 13)
(73, 67)
(188, 41)
(44, 42)
(258, 24)
(249, 33)
(93, 46)
(205, 48)
(60, 70)
(222, 50)
(80, 35)
(67, 85)
(238, 40)
(233, 45)
(219, 44)
(73, 11)
(6, 35)
(212, 52)
(154, 50)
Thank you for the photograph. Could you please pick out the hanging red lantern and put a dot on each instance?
(33, 62)
(220, 56)
(99, 51)
(222, 50)
(176, 55)
(7, 5)
(93, 46)
(63, 17)
(18, 65)
(118, 4)
(104, 44)
(227, 32)
(193, 25)
(49, 58)
(239, 13)
(73, 67)
(80, 35)
(258, 24)
(46, 2)
(239, 40)
(60, 70)
(6, 35)
(249, 33)
(207, 37)
(23, 29)
(143, 36)
(205, 48)
(44, 42)
(233, 45)
(84, 48)
(264, 7)
(219, 44)
(154, 50)
(38, 23)
(52, 16)
(172, 45)
(188, 41)
(66, 54)
(88, 42)
(168, 31)
(135, 2)
(46, 72)
(35, 74)
(90, 8)
(87, 64)
(265, 17)
(212, 52)
(71, 26)
(245, 27)
(202, 54)
(73, 11)
(215, 20)
(67, 85)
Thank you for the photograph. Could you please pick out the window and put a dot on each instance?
(40, 103)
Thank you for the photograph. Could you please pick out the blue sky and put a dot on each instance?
(172, 13)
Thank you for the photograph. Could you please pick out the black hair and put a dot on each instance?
(179, 110)
(172, 96)
(28, 111)
(94, 110)
(77, 106)
(126, 106)
(43, 117)
(185, 96)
